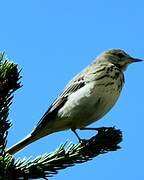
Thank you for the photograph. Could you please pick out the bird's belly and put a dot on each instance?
(87, 105)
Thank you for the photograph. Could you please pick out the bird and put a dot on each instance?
(85, 99)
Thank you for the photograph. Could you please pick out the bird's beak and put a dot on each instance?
(133, 60)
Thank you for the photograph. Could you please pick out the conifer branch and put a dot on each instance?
(9, 83)
(67, 155)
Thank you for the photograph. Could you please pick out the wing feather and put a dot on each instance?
(75, 84)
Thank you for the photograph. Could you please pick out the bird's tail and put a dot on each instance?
(21, 144)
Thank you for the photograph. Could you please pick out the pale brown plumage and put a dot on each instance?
(86, 98)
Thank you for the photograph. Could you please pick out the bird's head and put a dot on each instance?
(118, 57)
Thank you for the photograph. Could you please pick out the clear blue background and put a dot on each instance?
(52, 41)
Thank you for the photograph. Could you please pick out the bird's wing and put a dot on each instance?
(76, 83)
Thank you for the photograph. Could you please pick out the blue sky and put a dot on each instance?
(52, 41)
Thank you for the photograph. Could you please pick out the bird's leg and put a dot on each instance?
(87, 128)
(74, 131)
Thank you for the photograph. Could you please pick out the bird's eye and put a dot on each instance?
(120, 55)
